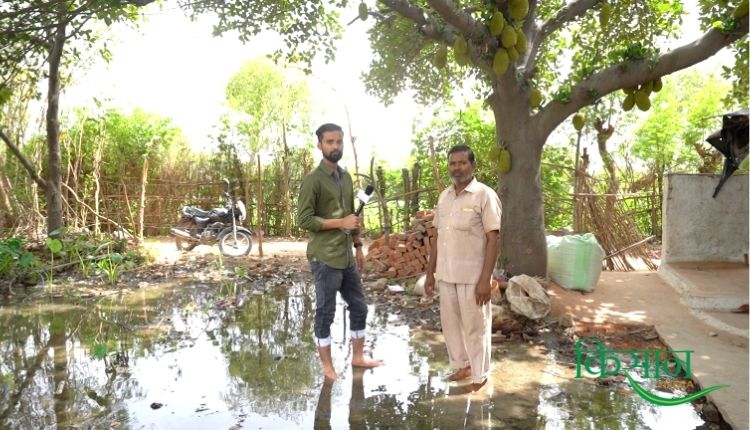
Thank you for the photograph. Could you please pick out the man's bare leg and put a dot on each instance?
(358, 357)
(460, 374)
(325, 358)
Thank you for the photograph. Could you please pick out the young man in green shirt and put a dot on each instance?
(325, 208)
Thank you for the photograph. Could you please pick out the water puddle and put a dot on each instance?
(191, 356)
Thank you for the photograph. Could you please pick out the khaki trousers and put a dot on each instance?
(467, 329)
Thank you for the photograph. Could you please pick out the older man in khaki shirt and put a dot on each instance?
(462, 257)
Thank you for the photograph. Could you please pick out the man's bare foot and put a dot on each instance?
(460, 374)
(366, 363)
(329, 374)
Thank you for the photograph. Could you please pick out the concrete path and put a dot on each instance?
(720, 357)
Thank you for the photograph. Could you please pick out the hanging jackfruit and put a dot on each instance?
(513, 53)
(500, 62)
(518, 9)
(495, 154)
(657, 85)
(509, 37)
(535, 97)
(629, 90)
(578, 121)
(741, 10)
(462, 59)
(520, 41)
(460, 45)
(497, 23)
(363, 11)
(605, 12)
(647, 87)
(441, 57)
(504, 164)
(628, 103)
(642, 101)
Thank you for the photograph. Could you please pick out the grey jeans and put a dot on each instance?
(329, 281)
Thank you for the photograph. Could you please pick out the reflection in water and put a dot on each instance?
(246, 359)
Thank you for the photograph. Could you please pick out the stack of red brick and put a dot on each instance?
(406, 253)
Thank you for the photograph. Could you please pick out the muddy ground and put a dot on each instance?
(532, 385)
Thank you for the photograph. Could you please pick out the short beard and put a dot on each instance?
(333, 156)
(462, 180)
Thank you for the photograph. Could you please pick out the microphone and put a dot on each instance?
(364, 197)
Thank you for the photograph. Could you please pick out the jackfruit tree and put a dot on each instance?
(573, 55)
(535, 63)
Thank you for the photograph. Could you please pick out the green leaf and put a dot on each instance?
(54, 245)
(100, 350)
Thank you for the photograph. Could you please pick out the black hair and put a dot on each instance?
(326, 128)
(463, 148)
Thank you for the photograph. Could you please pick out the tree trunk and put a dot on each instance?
(6, 220)
(384, 205)
(287, 198)
(415, 174)
(142, 202)
(523, 243)
(260, 229)
(53, 189)
(407, 200)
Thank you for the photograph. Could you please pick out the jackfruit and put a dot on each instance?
(513, 53)
(504, 164)
(741, 10)
(629, 102)
(495, 154)
(497, 23)
(518, 9)
(578, 121)
(500, 62)
(605, 12)
(363, 11)
(520, 41)
(647, 87)
(460, 45)
(462, 58)
(441, 57)
(535, 97)
(509, 37)
(629, 90)
(657, 85)
(642, 101)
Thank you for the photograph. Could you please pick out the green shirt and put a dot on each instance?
(323, 197)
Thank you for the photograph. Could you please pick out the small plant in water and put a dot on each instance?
(111, 266)
(55, 246)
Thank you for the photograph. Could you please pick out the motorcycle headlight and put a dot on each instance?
(241, 208)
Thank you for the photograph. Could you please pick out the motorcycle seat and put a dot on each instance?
(196, 212)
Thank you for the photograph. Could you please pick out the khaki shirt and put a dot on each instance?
(462, 221)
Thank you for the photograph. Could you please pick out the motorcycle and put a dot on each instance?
(223, 225)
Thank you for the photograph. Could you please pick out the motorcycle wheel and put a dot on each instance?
(182, 244)
(235, 246)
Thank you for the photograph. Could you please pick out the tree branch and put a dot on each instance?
(29, 168)
(460, 20)
(630, 74)
(430, 31)
(568, 13)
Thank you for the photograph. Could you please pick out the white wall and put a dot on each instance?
(697, 227)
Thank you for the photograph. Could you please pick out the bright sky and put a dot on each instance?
(173, 67)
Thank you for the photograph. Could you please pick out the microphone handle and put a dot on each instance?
(359, 209)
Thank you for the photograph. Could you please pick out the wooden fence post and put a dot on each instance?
(260, 209)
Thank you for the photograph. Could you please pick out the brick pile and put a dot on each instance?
(406, 253)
